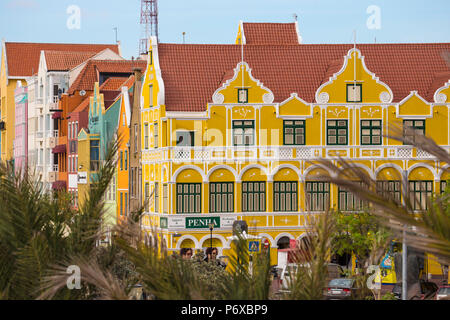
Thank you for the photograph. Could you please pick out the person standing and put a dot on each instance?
(186, 253)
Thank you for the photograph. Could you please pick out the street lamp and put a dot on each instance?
(211, 227)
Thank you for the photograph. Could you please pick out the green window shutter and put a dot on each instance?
(221, 197)
(390, 189)
(371, 132)
(189, 197)
(242, 95)
(317, 195)
(347, 201)
(419, 193)
(417, 127)
(337, 132)
(285, 196)
(443, 186)
(354, 92)
(294, 132)
(254, 196)
(121, 203)
(243, 132)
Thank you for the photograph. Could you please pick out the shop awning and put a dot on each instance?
(59, 185)
(61, 148)
(57, 115)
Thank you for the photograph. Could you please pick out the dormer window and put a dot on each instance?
(243, 95)
(354, 92)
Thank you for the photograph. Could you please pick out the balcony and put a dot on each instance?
(283, 153)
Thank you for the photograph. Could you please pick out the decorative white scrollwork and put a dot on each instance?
(441, 98)
(218, 98)
(268, 97)
(385, 97)
(323, 97)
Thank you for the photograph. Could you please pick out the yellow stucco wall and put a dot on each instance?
(214, 159)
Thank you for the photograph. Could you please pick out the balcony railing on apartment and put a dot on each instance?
(285, 153)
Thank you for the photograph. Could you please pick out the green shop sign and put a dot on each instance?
(202, 223)
(163, 223)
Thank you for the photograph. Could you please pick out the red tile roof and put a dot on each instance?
(113, 83)
(110, 89)
(270, 33)
(83, 105)
(65, 60)
(90, 73)
(23, 58)
(192, 72)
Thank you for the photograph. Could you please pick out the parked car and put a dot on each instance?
(428, 291)
(341, 289)
(443, 293)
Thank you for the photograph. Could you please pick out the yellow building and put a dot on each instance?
(232, 132)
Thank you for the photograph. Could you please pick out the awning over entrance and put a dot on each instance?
(61, 148)
(59, 185)
(57, 115)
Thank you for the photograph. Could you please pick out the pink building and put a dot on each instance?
(21, 138)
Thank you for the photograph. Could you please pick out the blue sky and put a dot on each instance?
(321, 21)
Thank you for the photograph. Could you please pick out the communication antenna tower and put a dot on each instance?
(149, 23)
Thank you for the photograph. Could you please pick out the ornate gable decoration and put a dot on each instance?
(414, 105)
(442, 95)
(96, 106)
(257, 93)
(294, 107)
(335, 89)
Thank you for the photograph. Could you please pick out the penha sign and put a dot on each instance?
(202, 223)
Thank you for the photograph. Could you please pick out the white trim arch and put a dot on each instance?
(187, 236)
(284, 166)
(181, 169)
(389, 165)
(252, 166)
(316, 166)
(362, 166)
(442, 170)
(281, 235)
(222, 166)
(424, 165)
(217, 236)
(273, 244)
(300, 237)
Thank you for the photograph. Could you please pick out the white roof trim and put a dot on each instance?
(126, 101)
(299, 37)
(344, 66)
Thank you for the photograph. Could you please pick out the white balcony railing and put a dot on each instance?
(283, 153)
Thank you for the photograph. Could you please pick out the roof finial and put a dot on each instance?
(295, 17)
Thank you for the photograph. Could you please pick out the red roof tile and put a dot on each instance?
(65, 60)
(192, 73)
(113, 83)
(90, 73)
(83, 105)
(270, 33)
(23, 58)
